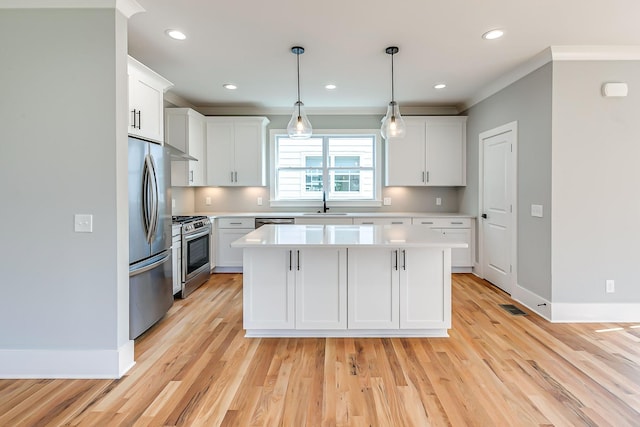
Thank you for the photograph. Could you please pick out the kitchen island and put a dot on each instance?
(346, 281)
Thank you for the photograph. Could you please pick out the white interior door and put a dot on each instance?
(497, 205)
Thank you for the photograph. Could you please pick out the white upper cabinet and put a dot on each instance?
(236, 151)
(432, 153)
(185, 130)
(146, 101)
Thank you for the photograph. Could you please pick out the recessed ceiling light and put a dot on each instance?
(493, 34)
(175, 34)
(330, 86)
(230, 86)
(440, 86)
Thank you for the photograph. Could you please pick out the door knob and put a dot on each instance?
(484, 216)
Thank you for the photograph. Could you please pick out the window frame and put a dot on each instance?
(315, 203)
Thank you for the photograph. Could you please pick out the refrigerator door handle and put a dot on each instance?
(149, 202)
(155, 197)
(151, 266)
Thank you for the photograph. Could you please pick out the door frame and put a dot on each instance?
(509, 127)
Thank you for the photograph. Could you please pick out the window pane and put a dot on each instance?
(299, 184)
(355, 151)
(355, 184)
(292, 153)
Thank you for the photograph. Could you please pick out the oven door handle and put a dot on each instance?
(195, 236)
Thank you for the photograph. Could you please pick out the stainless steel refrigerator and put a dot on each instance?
(150, 281)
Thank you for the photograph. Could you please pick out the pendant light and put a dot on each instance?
(299, 126)
(392, 124)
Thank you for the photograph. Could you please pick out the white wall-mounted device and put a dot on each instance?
(613, 89)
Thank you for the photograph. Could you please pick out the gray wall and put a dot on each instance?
(63, 99)
(527, 101)
(403, 199)
(596, 183)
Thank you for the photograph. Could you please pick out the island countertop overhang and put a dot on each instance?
(375, 236)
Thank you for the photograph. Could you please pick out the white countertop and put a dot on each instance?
(344, 236)
(335, 214)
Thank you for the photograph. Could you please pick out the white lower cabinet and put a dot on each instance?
(228, 230)
(457, 230)
(295, 289)
(398, 289)
(176, 254)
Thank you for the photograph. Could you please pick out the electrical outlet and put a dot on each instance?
(387, 201)
(611, 287)
(207, 201)
(173, 203)
(438, 201)
(259, 201)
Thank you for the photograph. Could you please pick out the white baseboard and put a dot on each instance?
(45, 363)
(595, 312)
(532, 301)
(577, 312)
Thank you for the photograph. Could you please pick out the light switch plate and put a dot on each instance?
(207, 201)
(438, 201)
(83, 223)
(387, 201)
(536, 210)
(259, 201)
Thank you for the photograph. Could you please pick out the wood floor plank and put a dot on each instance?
(196, 368)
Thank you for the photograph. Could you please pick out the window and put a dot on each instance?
(340, 167)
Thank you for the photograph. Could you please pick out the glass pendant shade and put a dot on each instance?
(392, 124)
(299, 126)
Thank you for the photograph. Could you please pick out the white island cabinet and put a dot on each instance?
(346, 280)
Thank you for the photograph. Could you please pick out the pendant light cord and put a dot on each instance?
(392, 91)
(298, 68)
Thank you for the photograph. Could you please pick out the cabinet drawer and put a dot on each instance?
(439, 222)
(236, 222)
(382, 221)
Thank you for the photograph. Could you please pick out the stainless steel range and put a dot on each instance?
(195, 268)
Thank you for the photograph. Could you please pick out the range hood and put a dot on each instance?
(178, 155)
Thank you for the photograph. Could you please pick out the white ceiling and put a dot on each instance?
(248, 42)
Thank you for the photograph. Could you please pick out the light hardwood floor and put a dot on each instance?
(195, 368)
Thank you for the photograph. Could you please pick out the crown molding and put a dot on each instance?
(554, 53)
(332, 111)
(127, 7)
(595, 53)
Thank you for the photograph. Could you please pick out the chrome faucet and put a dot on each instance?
(324, 202)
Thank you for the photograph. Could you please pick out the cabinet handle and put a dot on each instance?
(190, 176)
(367, 222)
(139, 119)
(396, 222)
(404, 259)
(426, 222)
(235, 223)
(290, 260)
(133, 117)
(298, 260)
(395, 267)
(232, 176)
(235, 174)
(427, 176)
(423, 176)
(456, 222)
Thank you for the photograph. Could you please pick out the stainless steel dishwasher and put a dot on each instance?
(262, 221)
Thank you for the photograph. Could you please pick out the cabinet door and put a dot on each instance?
(321, 288)
(196, 149)
(382, 221)
(226, 255)
(249, 153)
(219, 150)
(405, 158)
(147, 101)
(446, 159)
(373, 289)
(425, 289)
(460, 257)
(268, 289)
